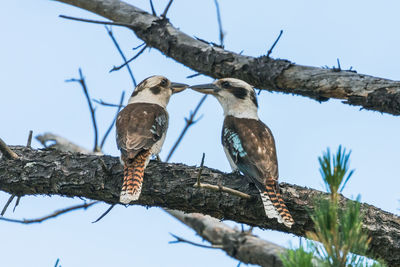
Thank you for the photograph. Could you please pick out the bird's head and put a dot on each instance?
(156, 90)
(236, 97)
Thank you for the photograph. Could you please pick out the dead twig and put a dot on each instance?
(193, 75)
(113, 122)
(189, 121)
(201, 169)
(82, 82)
(338, 69)
(139, 46)
(164, 14)
(7, 152)
(96, 21)
(221, 32)
(274, 44)
(115, 68)
(29, 142)
(17, 203)
(221, 188)
(153, 11)
(101, 102)
(182, 240)
(110, 33)
(10, 199)
(105, 213)
(60, 143)
(53, 215)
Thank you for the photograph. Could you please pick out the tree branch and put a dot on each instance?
(111, 34)
(82, 82)
(243, 246)
(262, 72)
(60, 143)
(53, 172)
(50, 216)
(6, 151)
(246, 248)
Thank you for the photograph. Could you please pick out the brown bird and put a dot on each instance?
(141, 129)
(248, 142)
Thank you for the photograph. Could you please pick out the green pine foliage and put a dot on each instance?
(337, 229)
(298, 257)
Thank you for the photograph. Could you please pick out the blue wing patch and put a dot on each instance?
(235, 144)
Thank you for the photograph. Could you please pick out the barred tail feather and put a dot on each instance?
(274, 206)
(133, 178)
(269, 208)
(287, 217)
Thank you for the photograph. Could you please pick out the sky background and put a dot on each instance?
(39, 51)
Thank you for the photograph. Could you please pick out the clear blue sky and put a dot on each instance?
(39, 51)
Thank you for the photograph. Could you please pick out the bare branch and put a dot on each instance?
(53, 215)
(164, 14)
(96, 21)
(104, 214)
(110, 33)
(29, 142)
(6, 151)
(262, 72)
(182, 240)
(82, 82)
(115, 68)
(193, 75)
(274, 44)
(174, 190)
(17, 202)
(61, 143)
(101, 102)
(201, 169)
(153, 11)
(241, 245)
(113, 122)
(221, 32)
(220, 188)
(250, 248)
(189, 122)
(7, 204)
(139, 46)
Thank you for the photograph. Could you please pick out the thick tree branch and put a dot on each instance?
(243, 246)
(263, 72)
(53, 172)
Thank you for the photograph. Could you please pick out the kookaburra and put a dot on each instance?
(248, 143)
(141, 129)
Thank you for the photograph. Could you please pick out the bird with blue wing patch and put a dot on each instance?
(248, 143)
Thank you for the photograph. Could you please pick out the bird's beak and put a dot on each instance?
(178, 87)
(208, 88)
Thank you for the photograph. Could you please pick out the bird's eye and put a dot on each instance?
(164, 82)
(225, 84)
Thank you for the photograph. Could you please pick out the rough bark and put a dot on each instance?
(60, 143)
(263, 72)
(243, 246)
(53, 172)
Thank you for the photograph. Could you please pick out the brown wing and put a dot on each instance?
(139, 126)
(251, 146)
